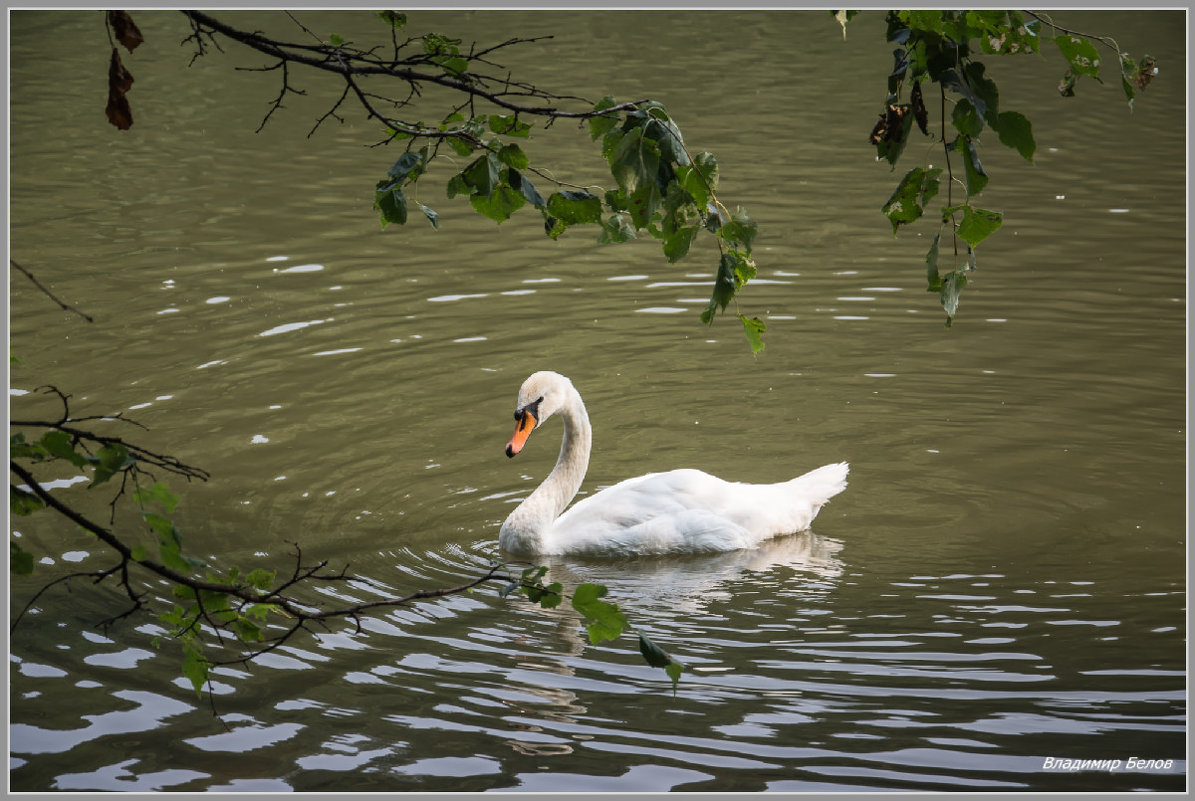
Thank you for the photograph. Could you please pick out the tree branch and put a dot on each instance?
(64, 305)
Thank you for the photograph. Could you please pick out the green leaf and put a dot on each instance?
(335, 39)
(396, 19)
(977, 179)
(985, 89)
(139, 553)
(502, 202)
(931, 265)
(457, 186)
(741, 229)
(606, 621)
(616, 229)
(916, 188)
(260, 611)
(1016, 132)
(1080, 53)
(635, 161)
(195, 667)
(247, 630)
(754, 328)
(444, 52)
(600, 126)
(23, 503)
(407, 163)
(392, 204)
(653, 654)
(170, 543)
(519, 182)
(431, 215)
(482, 175)
(513, 156)
(664, 131)
(643, 202)
(724, 287)
(462, 147)
(676, 245)
(656, 656)
(158, 493)
(575, 208)
(20, 561)
(978, 224)
(61, 445)
(966, 120)
(112, 458)
(509, 125)
(260, 578)
(952, 285)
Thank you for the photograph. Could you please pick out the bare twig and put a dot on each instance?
(64, 305)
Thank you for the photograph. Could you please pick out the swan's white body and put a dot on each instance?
(680, 511)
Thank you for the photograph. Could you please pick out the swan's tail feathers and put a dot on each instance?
(822, 484)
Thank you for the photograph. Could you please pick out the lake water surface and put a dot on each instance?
(1001, 591)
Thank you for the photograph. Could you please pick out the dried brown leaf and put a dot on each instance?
(125, 30)
(120, 80)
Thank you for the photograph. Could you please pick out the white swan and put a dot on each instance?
(681, 511)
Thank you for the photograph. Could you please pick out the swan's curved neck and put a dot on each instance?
(524, 529)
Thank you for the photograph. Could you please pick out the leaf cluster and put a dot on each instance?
(659, 190)
(604, 621)
(230, 609)
(947, 49)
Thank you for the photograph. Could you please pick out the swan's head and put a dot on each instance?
(542, 395)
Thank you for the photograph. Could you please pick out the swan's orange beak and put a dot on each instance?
(523, 430)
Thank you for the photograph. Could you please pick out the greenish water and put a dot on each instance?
(1002, 584)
